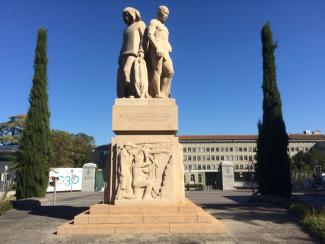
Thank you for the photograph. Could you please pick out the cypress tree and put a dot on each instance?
(273, 163)
(34, 150)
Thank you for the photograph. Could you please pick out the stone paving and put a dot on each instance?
(246, 222)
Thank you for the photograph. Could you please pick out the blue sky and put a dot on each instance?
(216, 54)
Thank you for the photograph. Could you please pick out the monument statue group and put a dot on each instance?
(145, 190)
(143, 159)
(145, 67)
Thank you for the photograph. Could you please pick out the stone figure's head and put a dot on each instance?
(162, 13)
(131, 15)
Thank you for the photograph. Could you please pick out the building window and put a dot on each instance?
(192, 178)
(231, 158)
(194, 158)
(193, 149)
(231, 149)
(212, 166)
(203, 166)
(184, 149)
(208, 158)
(189, 158)
(245, 149)
(199, 167)
(250, 149)
(212, 149)
(198, 158)
(241, 166)
(292, 149)
(207, 149)
(254, 149)
(189, 149)
(240, 158)
(200, 178)
(245, 158)
(297, 149)
(250, 158)
(184, 157)
(221, 149)
(217, 149)
(208, 166)
(222, 158)
(235, 158)
(306, 149)
(213, 158)
(226, 149)
(190, 167)
(236, 149)
(198, 149)
(217, 158)
(240, 149)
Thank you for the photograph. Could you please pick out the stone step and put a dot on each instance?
(128, 209)
(104, 229)
(86, 218)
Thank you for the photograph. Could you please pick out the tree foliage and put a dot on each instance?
(11, 130)
(71, 150)
(33, 156)
(306, 161)
(273, 163)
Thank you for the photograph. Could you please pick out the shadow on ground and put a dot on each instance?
(60, 212)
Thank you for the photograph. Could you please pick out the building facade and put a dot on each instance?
(202, 155)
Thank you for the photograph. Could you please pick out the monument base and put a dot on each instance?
(106, 219)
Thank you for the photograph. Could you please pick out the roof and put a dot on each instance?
(302, 137)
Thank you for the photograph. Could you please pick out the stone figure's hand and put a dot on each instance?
(141, 55)
(159, 53)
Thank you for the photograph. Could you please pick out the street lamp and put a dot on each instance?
(71, 181)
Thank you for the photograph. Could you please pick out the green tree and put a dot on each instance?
(11, 130)
(273, 163)
(69, 150)
(33, 155)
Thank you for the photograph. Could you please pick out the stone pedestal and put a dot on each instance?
(146, 158)
(227, 175)
(145, 192)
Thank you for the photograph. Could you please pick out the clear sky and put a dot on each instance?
(216, 54)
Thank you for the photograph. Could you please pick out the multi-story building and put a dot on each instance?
(203, 155)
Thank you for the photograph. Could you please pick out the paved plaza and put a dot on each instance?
(247, 222)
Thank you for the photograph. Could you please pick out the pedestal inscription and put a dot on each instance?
(145, 115)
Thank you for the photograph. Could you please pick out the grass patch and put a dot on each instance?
(310, 218)
(5, 206)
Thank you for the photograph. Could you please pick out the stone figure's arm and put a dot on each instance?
(144, 164)
(142, 28)
(151, 33)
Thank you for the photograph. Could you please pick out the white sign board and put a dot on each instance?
(68, 177)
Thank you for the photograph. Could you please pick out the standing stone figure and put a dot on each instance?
(161, 67)
(125, 161)
(132, 83)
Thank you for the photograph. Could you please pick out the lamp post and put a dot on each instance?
(5, 179)
(71, 181)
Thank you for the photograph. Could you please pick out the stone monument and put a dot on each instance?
(145, 192)
(227, 175)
